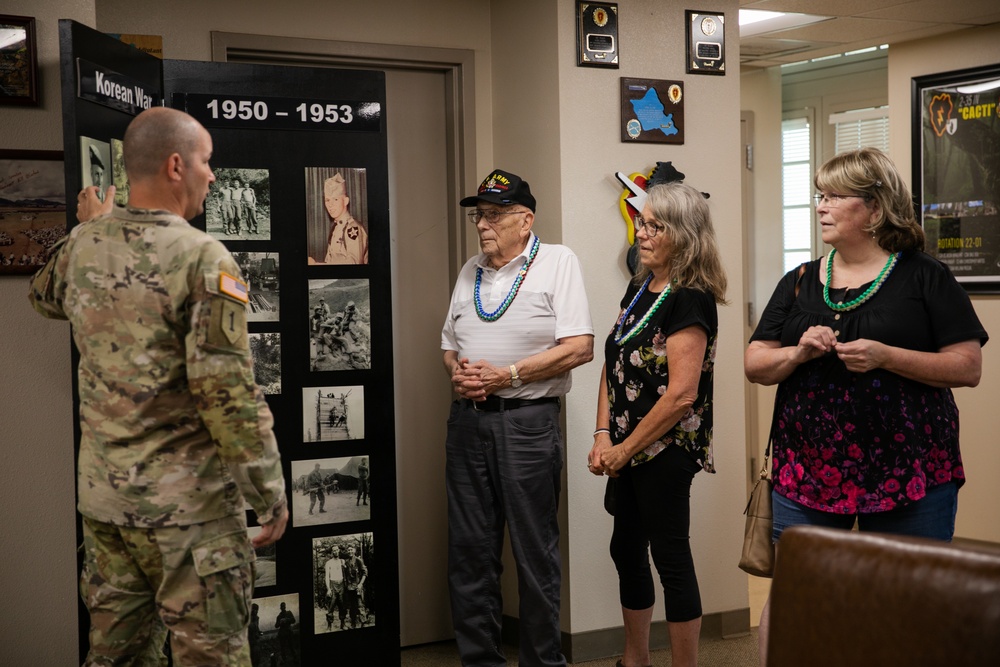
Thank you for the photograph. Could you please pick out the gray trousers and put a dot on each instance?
(504, 467)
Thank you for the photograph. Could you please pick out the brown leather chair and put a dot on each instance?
(842, 598)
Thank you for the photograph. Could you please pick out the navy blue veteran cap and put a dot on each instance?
(504, 188)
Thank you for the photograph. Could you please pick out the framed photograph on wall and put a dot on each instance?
(18, 61)
(32, 208)
(956, 171)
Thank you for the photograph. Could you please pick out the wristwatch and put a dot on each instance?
(515, 379)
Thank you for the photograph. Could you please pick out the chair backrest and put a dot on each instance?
(843, 598)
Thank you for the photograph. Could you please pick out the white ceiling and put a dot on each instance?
(858, 24)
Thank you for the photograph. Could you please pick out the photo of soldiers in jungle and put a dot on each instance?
(266, 351)
(342, 583)
(274, 631)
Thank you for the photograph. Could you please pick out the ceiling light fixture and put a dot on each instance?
(755, 22)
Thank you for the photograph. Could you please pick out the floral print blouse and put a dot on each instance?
(857, 443)
(637, 372)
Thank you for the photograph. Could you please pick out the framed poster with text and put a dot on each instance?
(956, 171)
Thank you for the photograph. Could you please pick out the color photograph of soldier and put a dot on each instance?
(118, 176)
(325, 491)
(238, 207)
(95, 164)
(260, 271)
(265, 569)
(342, 583)
(333, 413)
(32, 211)
(274, 631)
(266, 351)
(339, 325)
(336, 215)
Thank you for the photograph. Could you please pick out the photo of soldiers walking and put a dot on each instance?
(322, 491)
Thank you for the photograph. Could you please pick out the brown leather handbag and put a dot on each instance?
(758, 548)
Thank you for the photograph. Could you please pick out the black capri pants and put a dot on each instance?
(653, 515)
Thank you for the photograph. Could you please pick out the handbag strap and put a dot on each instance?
(765, 468)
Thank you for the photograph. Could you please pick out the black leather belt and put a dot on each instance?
(497, 403)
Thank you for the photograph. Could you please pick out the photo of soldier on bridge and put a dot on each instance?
(333, 413)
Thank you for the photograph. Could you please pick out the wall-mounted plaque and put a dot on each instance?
(706, 39)
(597, 34)
(652, 111)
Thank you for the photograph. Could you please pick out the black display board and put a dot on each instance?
(282, 136)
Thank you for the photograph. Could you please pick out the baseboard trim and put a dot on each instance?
(607, 642)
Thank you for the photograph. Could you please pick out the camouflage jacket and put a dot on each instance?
(174, 429)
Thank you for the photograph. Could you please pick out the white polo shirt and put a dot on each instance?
(551, 304)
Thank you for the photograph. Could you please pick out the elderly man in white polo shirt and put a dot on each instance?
(518, 323)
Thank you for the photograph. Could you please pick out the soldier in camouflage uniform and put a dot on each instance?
(175, 434)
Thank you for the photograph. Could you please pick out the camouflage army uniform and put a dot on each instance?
(175, 434)
(348, 242)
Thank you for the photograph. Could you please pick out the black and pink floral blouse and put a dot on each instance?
(851, 443)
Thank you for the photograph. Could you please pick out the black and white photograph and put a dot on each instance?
(266, 351)
(333, 413)
(274, 632)
(238, 207)
(339, 324)
(95, 164)
(337, 215)
(342, 583)
(118, 176)
(260, 270)
(32, 208)
(335, 490)
(265, 569)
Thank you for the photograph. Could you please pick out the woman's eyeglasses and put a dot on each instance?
(651, 227)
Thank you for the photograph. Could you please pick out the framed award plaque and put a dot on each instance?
(706, 40)
(597, 34)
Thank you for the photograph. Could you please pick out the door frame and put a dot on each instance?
(457, 65)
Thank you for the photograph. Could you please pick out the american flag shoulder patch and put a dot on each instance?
(233, 286)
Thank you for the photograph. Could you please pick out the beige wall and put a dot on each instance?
(652, 39)
(979, 501)
(38, 570)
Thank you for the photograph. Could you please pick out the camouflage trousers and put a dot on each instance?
(194, 581)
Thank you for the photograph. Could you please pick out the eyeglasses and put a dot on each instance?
(834, 200)
(651, 227)
(492, 215)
